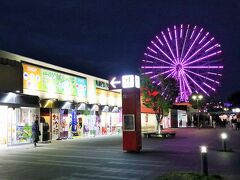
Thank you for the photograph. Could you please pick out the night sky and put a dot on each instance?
(109, 37)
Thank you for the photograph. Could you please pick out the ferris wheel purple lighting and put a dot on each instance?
(187, 53)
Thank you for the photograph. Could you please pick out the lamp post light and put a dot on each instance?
(197, 98)
(224, 138)
(204, 161)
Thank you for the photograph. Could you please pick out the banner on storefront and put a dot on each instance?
(40, 79)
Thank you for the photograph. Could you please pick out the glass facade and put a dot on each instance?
(16, 124)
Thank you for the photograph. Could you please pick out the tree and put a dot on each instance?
(159, 97)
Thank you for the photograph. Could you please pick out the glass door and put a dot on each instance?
(3, 125)
(12, 127)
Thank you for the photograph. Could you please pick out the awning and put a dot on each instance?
(18, 100)
(55, 104)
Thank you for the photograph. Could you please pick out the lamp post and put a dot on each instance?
(204, 161)
(197, 97)
(224, 138)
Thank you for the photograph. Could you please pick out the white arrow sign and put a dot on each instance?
(113, 82)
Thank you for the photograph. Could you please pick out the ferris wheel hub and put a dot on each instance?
(179, 67)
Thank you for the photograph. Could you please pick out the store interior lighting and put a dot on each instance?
(49, 102)
(9, 97)
(66, 105)
(115, 110)
(105, 109)
(82, 106)
(95, 108)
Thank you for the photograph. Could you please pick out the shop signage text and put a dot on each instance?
(102, 84)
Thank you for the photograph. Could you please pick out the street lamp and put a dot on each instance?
(204, 161)
(224, 138)
(197, 97)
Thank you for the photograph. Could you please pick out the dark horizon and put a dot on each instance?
(106, 38)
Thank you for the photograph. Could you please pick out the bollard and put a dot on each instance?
(224, 138)
(204, 162)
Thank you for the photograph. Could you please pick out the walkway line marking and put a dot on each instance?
(92, 157)
(106, 169)
(102, 176)
(136, 164)
(69, 162)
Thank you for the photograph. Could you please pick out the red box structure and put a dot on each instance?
(131, 110)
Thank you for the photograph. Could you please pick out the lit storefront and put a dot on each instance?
(57, 91)
(18, 113)
(60, 116)
(110, 112)
(181, 115)
(111, 120)
(71, 103)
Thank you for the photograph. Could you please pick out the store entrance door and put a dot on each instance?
(12, 117)
(3, 126)
(19, 125)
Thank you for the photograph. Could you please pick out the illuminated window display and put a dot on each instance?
(110, 117)
(182, 118)
(116, 122)
(24, 118)
(93, 124)
(16, 125)
(86, 126)
(55, 125)
(65, 124)
(80, 120)
(3, 125)
(111, 122)
(105, 123)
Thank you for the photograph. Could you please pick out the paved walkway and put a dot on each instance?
(103, 158)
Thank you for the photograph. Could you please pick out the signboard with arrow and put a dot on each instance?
(125, 81)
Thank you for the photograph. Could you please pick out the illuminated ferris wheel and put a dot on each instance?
(190, 55)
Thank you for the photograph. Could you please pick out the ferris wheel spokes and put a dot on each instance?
(202, 58)
(158, 59)
(217, 82)
(192, 44)
(189, 58)
(187, 53)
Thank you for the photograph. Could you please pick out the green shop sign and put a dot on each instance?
(101, 85)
